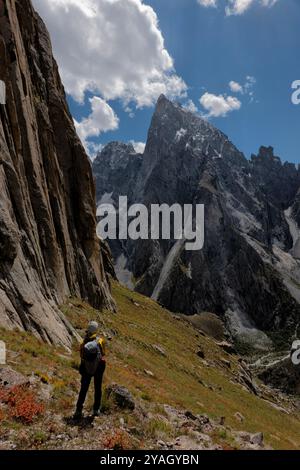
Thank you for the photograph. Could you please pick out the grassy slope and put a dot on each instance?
(180, 379)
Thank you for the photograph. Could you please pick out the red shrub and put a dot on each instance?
(22, 403)
(117, 440)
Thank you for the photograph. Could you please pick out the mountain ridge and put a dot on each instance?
(248, 240)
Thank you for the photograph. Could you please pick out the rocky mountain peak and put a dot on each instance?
(267, 153)
(248, 235)
(114, 167)
(115, 146)
(279, 181)
(114, 154)
(166, 109)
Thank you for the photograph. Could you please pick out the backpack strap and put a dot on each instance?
(101, 343)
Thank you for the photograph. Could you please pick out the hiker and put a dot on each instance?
(92, 353)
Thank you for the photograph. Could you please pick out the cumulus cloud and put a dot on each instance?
(101, 119)
(139, 147)
(113, 48)
(237, 7)
(219, 105)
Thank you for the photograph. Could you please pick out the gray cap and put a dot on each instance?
(92, 327)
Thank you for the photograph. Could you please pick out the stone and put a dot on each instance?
(188, 443)
(227, 347)
(257, 439)
(10, 378)
(244, 436)
(203, 419)
(161, 443)
(222, 420)
(120, 396)
(159, 349)
(225, 362)
(190, 415)
(149, 373)
(239, 417)
(246, 379)
(201, 354)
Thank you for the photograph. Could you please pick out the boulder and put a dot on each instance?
(239, 417)
(159, 349)
(201, 354)
(10, 378)
(120, 396)
(257, 439)
(227, 347)
(149, 373)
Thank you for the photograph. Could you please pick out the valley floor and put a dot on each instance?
(189, 393)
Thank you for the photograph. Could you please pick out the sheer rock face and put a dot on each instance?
(48, 246)
(116, 170)
(280, 182)
(246, 272)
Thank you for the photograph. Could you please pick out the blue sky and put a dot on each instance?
(210, 50)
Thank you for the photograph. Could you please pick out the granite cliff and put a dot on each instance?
(48, 244)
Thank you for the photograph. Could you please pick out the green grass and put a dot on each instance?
(156, 428)
(181, 379)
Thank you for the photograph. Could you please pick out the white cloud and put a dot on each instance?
(94, 149)
(219, 105)
(246, 88)
(207, 3)
(190, 106)
(268, 3)
(113, 48)
(101, 119)
(250, 82)
(139, 147)
(235, 87)
(237, 7)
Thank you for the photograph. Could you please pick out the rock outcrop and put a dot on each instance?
(282, 375)
(48, 244)
(116, 171)
(247, 272)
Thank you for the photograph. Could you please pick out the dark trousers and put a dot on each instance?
(85, 384)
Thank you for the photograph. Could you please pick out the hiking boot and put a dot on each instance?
(96, 413)
(78, 414)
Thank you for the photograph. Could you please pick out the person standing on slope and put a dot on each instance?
(92, 353)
